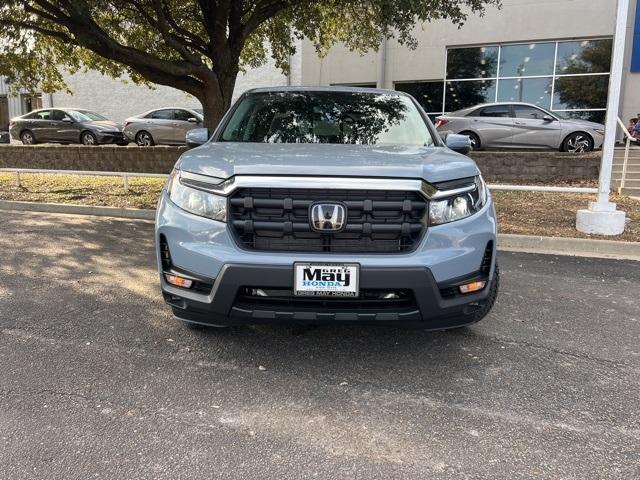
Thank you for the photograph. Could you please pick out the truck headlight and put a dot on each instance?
(457, 207)
(198, 202)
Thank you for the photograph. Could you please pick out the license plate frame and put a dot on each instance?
(330, 290)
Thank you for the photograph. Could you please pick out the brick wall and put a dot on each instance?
(108, 158)
(536, 165)
(495, 166)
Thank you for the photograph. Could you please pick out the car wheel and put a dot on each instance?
(88, 138)
(28, 138)
(475, 140)
(578, 143)
(144, 139)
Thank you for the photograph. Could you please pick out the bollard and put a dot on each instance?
(126, 183)
(18, 184)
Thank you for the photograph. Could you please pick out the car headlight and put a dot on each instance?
(198, 202)
(457, 207)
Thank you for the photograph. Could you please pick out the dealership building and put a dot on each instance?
(552, 53)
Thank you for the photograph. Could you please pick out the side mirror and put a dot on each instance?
(197, 137)
(548, 118)
(193, 120)
(67, 120)
(458, 143)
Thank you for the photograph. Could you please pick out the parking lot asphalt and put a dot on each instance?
(98, 381)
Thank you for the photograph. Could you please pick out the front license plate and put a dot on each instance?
(326, 279)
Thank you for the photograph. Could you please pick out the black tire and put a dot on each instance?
(88, 138)
(144, 139)
(475, 140)
(577, 142)
(28, 138)
(487, 304)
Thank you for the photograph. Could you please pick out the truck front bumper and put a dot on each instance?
(421, 286)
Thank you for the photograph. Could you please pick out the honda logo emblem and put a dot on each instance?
(327, 217)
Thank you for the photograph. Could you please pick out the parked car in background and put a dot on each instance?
(166, 126)
(65, 125)
(4, 137)
(522, 125)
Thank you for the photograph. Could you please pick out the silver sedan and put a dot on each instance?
(163, 126)
(522, 125)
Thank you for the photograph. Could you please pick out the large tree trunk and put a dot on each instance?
(216, 99)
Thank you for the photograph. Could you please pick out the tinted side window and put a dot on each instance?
(57, 115)
(522, 111)
(495, 111)
(162, 115)
(182, 115)
(42, 115)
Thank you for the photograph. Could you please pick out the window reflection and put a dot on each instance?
(528, 90)
(428, 94)
(327, 117)
(572, 93)
(527, 60)
(477, 62)
(588, 56)
(526, 74)
(461, 95)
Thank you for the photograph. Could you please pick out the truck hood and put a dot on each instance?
(226, 159)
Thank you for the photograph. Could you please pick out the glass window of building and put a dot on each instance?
(428, 94)
(567, 77)
(587, 56)
(475, 62)
(528, 90)
(527, 60)
(463, 94)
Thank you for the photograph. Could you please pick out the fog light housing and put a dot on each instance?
(472, 287)
(178, 281)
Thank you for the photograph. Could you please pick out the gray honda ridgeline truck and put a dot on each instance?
(316, 205)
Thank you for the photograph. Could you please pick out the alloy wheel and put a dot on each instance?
(27, 138)
(144, 140)
(578, 144)
(88, 139)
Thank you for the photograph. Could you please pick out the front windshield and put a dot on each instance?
(85, 116)
(327, 117)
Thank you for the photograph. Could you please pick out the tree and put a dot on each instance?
(198, 46)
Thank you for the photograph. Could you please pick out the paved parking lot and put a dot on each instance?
(98, 381)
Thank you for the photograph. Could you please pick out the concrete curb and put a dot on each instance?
(132, 213)
(579, 247)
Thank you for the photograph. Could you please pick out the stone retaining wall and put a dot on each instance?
(495, 166)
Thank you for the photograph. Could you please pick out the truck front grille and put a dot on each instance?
(277, 219)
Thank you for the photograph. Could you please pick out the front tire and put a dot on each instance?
(577, 142)
(475, 140)
(88, 138)
(28, 138)
(144, 139)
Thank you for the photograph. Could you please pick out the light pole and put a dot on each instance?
(601, 217)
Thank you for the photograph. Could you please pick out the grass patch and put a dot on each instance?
(525, 213)
(81, 190)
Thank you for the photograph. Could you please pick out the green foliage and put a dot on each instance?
(198, 46)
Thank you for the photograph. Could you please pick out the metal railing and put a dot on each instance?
(126, 175)
(629, 139)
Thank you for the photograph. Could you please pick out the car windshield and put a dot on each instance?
(85, 116)
(327, 117)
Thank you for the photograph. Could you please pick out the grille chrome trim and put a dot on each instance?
(227, 187)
